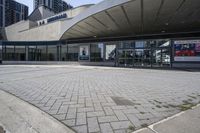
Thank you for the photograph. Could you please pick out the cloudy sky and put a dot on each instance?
(74, 3)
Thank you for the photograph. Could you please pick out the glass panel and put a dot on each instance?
(84, 52)
(41, 53)
(20, 53)
(110, 52)
(97, 52)
(73, 51)
(32, 53)
(165, 57)
(156, 58)
(142, 57)
(1, 51)
(52, 53)
(187, 50)
(9, 53)
(161, 57)
(142, 44)
(126, 57)
(126, 44)
(64, 52)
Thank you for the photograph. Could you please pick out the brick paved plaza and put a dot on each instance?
(98, 99)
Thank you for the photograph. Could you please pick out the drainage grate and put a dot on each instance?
(123, 101)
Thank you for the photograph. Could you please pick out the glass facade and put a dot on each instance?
(133, 53)
(96, 52)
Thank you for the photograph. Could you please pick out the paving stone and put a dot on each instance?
(60, 116)
(81, 129)
(120, 125)
(88, 109)
(134, 120)
(120, 115)
(106, 128)
(71, 114)
(107, 119)
(81, 119)
(108, 111)
(70, 122)
(93, 125)
(63, 109)
(95, 114)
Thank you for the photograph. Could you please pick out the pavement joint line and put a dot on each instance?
(164, 120)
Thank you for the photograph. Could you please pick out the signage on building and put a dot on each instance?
(84, 53)
(187, 50)
(61, 16)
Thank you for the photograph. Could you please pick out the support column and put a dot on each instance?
(26, 50)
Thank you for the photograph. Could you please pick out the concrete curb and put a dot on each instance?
(17, 116)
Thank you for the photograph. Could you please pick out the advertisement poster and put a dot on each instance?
(84, 53)
(187, 50)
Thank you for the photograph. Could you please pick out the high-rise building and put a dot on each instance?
(12, 12)
(55, 5)
(2, 13)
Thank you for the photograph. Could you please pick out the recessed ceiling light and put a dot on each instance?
(166, 23)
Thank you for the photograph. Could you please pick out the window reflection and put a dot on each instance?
(20, 53)
(110, 52)
(97, 52)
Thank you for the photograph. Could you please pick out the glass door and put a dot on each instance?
(126, 57)
(142, 58)
(161, 57)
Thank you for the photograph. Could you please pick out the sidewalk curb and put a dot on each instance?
(151, 127)
(18, 116)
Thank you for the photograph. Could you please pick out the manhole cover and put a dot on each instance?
(123, 101)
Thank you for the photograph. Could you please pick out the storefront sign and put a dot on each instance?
(187, 50)
(61, 16)
(84, 53)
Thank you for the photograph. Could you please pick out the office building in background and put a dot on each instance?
(12, 12)
(55, 5)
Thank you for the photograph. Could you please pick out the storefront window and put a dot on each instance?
(73, 51)
(52, 53)
(97, 52)
(32, 50)
(1, 51)
(9, 53)
(110, 52)
(84, 52)
(64, 50)
(187, 50)
(41, 53)
(126, 44)
(20, 53)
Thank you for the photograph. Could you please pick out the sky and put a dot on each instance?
(74, 3)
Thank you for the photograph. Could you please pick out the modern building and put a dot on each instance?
(126, 33)
(12, 12)
(55, 5)
(2, 13)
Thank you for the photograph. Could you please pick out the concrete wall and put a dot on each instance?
(29, 31)
(41, 13)
(21, 32)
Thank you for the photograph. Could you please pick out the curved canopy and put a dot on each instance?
(133, 17)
